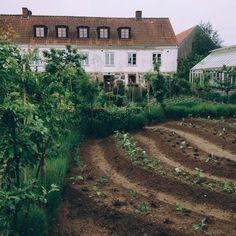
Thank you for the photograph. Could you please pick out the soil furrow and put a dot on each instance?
(98, 153)
(156, 153)
(203, 144)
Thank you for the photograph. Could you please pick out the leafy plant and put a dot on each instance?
(180, 207)
(98, 190)
(200, 226)
(77, 179)
(144, 208)
(132, 192)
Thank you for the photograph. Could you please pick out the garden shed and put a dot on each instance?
(213, 65)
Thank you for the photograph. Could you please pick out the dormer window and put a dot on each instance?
(124, 33)
(83, 32)
(62, 31)
(40, 31)
(103, 32)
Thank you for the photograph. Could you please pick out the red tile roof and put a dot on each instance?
(183, 35)
(144, 31)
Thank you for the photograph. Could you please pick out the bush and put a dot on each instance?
(212, 96)
(32, 221)
(105, 122)
(201, 110)
(155, 114)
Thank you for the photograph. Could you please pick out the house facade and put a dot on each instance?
(122, 48)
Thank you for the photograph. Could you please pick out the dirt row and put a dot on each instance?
(114, 196)
(220, 134)
(176, 151)
(116, 212)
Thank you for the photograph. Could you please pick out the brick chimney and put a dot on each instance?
(26, 13)
(138, 14)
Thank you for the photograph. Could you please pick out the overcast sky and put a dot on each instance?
(182, 13)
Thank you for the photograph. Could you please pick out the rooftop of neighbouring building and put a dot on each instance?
(183, 35)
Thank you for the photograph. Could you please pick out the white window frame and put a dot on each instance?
(109, 59)
(124, 33)
(61, 32)
(158, 56)
(85, 62)
(83, 32)
(103, 33)
(40, 32)
(132, 59)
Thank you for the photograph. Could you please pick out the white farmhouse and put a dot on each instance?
(124, 48)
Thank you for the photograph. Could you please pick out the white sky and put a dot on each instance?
(182, 13)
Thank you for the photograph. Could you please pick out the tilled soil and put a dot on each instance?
(114, 211)
(177, 151)
(218, 133)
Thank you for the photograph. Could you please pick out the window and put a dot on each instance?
(62, 31)
(109, 59)
(85, 60)
(124, 33)
(132, 59)
(40, 31)
(103, 33)
(83, 32)
(156, 58)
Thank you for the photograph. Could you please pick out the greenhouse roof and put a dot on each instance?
(217, 58)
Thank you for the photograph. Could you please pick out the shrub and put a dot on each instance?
(105, 122)
(201, 110)
(32, 221)
(155, 114)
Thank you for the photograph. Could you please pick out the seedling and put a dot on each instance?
(132, 192)
(229, 188)
(200, 226)
(98, 190)
(180, 207)
(77, 179)
(102, 180)
(143, 208)
(82, 167)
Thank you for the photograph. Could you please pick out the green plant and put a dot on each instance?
(97, 189)
(200, 226)
(32, 221)
(77, 179)
(180, 207)
(228, 187)
(102, 180)
(132, 192)
(144, 208)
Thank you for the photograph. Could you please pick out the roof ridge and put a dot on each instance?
(110, 17)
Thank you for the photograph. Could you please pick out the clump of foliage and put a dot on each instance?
(36, 112)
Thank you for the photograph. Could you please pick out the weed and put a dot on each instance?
(82, 167)
(102, 180)
(77, 179)
(98, 191)
(180, 207)
(144, 208)
(200, 226)
(132, 192)
(229, 188)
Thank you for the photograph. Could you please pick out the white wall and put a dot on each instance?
(143, 64)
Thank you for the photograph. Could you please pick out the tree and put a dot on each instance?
(211, 33)
(226, 84)
(205, 39)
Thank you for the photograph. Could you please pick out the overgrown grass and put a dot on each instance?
(31, 219)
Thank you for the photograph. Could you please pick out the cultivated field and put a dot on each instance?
(179, 180)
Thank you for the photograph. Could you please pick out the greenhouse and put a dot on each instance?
(219, 64)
